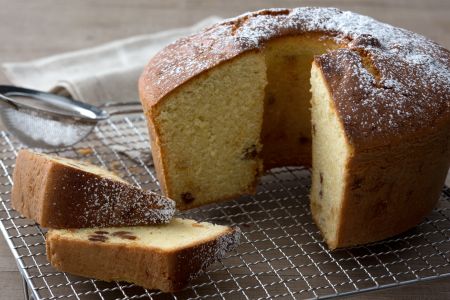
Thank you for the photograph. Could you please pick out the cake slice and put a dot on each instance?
(63, 193)
(163, 257)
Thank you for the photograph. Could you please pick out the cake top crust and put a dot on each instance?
(78, 194)
(384, 80)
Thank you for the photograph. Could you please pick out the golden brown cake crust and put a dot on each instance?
(57, 195)
(168, 271)
(389, 88)
(390, 190)
(399, 81)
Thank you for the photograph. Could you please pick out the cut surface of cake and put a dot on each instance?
(63, 193)
(205, 138)
(366, 104)
(164, 257)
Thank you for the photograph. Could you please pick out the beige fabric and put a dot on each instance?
(107, 73)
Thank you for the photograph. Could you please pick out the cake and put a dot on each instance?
(63, 193)
(164, 257)
(365, 104)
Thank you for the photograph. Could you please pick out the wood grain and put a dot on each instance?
(33, 29)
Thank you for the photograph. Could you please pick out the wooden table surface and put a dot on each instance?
(33, 29)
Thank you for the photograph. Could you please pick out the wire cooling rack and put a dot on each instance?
(281, 253)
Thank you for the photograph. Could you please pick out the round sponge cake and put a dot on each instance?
(366, 104)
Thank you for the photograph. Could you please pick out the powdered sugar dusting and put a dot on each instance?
(103, 202)
(227, 243)
(209, 254)
(412, 89)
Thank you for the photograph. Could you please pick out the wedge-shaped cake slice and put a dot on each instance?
(164, 257)
(63, 193)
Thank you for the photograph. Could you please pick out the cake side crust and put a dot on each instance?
(390, 190)
(149, 267)
(70, 197)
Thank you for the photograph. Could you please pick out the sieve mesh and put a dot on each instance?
(40, 130)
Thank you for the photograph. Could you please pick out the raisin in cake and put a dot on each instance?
(235, 99)
(164, 257)
(63, 193)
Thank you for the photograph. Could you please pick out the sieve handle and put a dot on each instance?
(8, 103)
(122, 108)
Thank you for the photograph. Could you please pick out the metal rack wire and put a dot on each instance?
(281, 253)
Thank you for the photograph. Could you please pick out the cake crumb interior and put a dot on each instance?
(254, 113)
(214, 144)
(178, 234)
(286, 132)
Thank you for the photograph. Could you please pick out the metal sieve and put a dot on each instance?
(45, 120)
